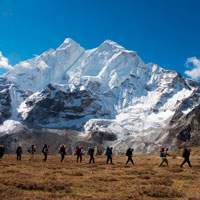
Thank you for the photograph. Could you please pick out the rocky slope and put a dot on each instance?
(185, 124)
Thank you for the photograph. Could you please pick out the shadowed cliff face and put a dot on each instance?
(186, 104)
(100, 137)
(53, 106)
(186, 128)
(5, 101)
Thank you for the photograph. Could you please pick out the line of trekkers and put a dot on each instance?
(185, 155)
(91, 150)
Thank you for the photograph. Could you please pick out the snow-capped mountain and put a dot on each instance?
(108, 93)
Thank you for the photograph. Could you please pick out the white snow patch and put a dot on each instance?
(8, 126)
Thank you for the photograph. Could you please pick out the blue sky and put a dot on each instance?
(166, 32)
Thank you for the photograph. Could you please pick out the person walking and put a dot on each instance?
(2, 150)
(19, 153)
(129, 154)
(79, 154)
(109, 155)
(163, 155)
(91, 153)
(45, 151)
(62, 152)
(32, 151)
(186, 156)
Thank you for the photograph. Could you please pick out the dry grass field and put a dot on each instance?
(69, 180)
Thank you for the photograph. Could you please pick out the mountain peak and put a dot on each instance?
(68, 42)
(111, 44)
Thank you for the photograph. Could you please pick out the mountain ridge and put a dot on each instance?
(102, 91)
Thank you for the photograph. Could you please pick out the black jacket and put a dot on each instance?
(79, 152)
(91, 152)
(109, 152)
(62, 150)
(186, 154)
(129, 152)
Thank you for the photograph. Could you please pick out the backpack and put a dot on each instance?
(161, 154)
(107, 150)
(184, 153)
(89, 151)
(76, 150)
(31, 149)
(19, 150)
(128, 152)
(62, 149)
(43, 149)
(34, 148)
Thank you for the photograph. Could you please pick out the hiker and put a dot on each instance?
(62, 152)
(109, 154)
(32, 151)
(45, 151)
(19, 153)
(186, 156)
(129, 153)
(79, 153)
(2, 149)
(91, 153)
(163, 155)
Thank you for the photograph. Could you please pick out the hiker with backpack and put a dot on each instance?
(186, 156)
(32, 151)
(109, 154)
(163, 155)
(129, 153)
(91, 153)
(62, 152)
(45, 151)
(2, 149)
(19, 153)
(78, 151)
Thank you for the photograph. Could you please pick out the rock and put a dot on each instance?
(100, 150)
(100, 136)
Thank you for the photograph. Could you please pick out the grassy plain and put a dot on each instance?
(69, 180)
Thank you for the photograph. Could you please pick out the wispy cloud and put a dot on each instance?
(4, 62)
(193, 64)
